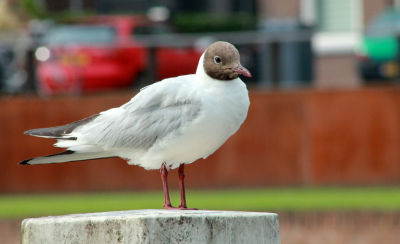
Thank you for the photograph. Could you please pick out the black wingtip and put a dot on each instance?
(25, 162)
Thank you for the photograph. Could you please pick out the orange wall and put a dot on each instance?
(289, 138)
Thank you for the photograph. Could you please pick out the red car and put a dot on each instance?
(103, 54)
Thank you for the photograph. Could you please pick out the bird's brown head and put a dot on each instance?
(222, 62)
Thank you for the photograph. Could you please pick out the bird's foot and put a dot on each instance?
(178, 208)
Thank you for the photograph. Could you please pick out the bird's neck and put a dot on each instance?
(206, 81)
(200, 66)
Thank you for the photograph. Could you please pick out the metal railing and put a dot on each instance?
(276, 53)
(271, 47)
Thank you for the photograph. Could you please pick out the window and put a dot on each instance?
(338, 15)
(338, 22)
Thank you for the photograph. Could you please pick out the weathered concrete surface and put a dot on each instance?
(154, 226)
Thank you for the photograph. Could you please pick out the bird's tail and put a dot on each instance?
(66, 156)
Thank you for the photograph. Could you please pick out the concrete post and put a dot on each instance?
(154, 226)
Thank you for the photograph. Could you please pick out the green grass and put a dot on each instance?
(275, 199)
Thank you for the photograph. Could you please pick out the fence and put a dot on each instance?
(275, 58)
(289, 139)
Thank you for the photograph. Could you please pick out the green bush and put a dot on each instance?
(34, 9)
(208, 22)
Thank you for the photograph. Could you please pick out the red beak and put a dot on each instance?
(242, 70)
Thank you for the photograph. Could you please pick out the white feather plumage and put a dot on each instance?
(177, 120)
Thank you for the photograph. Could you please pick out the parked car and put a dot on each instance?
(102, 53)
(378, 52)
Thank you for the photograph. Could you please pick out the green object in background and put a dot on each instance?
(380, 48)
(265, 200)
(380, 42)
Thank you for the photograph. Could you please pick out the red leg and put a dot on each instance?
(181, 175)
(167, 201)
(164, 176)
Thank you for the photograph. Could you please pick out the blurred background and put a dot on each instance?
(320, 146)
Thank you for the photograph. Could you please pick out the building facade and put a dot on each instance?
(339, 27)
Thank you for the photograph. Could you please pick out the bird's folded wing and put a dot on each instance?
(150, 116)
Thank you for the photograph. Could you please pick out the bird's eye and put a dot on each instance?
(217, 60)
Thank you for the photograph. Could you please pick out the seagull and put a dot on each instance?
(168, 124)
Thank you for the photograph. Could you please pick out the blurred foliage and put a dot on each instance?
(34, 9)
(213, 22)
(184, 22)
(68, 17)
(38, 11)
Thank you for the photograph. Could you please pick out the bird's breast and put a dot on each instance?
(220, 116)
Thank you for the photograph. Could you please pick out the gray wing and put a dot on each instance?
(149, 116)
(60, 132)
